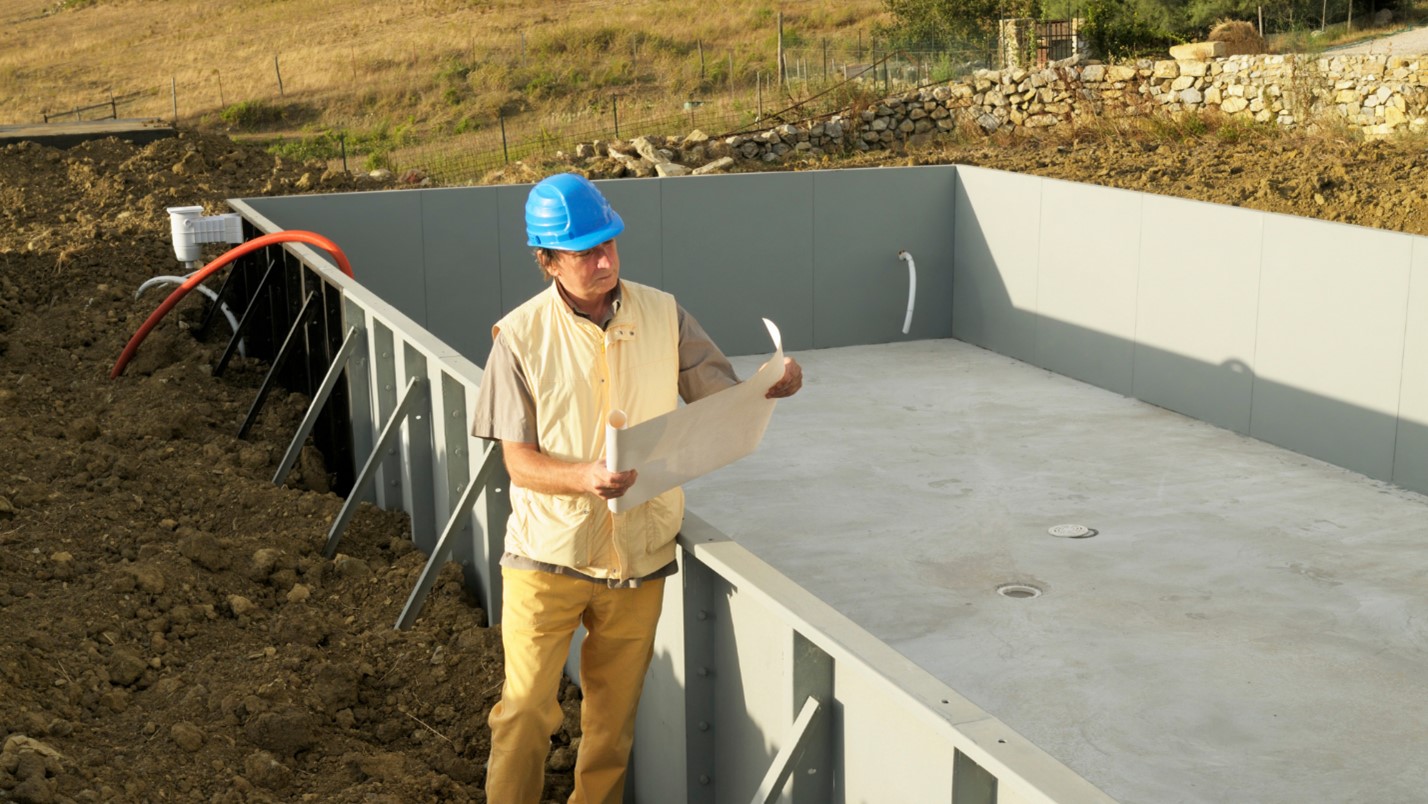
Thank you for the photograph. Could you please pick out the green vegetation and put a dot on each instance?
(373, 147)
(948, 21)
(1121, 29)
(249, 115)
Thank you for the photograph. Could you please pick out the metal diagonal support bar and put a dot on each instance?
(217, 303)
(439, 554)
(355, 338)
(416, 387)
(772, 785)
(278, 361)
(222, 364)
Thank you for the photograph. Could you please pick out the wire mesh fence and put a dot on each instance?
(816, 82)
(718, 91)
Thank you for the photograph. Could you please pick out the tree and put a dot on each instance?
(945, 21)
(1120, 29)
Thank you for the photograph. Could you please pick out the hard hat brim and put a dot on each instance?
(587, 240)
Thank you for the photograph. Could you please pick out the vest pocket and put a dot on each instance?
(554, 528)
(660, 520)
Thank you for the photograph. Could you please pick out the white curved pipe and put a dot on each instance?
(911, 288)
(213, 296)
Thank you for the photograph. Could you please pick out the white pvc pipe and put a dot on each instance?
(212, 296)
(911, 289)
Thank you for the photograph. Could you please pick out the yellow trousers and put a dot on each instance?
(540, 613)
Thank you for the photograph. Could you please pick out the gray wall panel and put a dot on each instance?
(520, 277)
(861, 220)
(1302, 345)
(1410, 465)
(995, 252)
(740, 248)
(641, 244)
(1086, 282)
(463, 270)
(1196, 309)
(1329, 351)
(380, 232)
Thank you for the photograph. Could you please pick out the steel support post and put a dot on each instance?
(258, 293)
(277, 366)
(794, 745)
(217, 305)
(814, 767)
(972, 783)
(439, 554)
(700, 702)
(354, 339)
(415, 388)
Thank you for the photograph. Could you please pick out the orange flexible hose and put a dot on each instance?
(295, 236)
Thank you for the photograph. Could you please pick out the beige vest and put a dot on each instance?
(578, 373)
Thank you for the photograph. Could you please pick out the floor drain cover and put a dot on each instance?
(1071, 531)
(1018, 590)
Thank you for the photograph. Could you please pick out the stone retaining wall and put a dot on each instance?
(1378, 95)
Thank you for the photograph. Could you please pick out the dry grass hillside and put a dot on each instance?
(365, 65)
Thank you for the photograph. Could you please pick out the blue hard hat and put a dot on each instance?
(566, 212)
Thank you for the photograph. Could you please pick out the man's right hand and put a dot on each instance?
(532, 469)
(606, 484)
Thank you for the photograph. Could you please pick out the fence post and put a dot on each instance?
(342, 142)
(759, 79)
(504, 151)
(173, 92)
(731, 71)
(279, 70)
(615, 107)
(825, 59)
(780, 49)
(113, 107)
(701, 59)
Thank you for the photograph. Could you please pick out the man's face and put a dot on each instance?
(587, 274)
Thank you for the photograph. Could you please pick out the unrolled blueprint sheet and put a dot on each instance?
(687, 442)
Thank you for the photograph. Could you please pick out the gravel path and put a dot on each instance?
(1400, 44)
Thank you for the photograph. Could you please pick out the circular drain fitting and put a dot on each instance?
(1071, 531)
(1019, 591)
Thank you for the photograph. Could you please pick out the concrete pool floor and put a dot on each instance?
(1246, 624)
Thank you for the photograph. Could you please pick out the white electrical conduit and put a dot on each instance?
(911, 289)
(212, 296)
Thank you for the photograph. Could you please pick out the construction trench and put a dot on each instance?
(1023, 551)
(1228, 612)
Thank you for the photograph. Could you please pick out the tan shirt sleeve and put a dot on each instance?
(505, 406)
(703, 368)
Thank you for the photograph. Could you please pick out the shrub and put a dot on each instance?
(250, 114)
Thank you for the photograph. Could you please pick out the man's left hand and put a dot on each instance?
(791, 382)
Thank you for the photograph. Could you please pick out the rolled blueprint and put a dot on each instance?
(691, 441)
(616, 421)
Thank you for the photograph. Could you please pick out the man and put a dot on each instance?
(559, 364)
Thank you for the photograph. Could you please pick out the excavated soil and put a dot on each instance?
(169, 630)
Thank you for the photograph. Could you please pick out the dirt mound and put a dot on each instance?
(1240, 38)
(172, 631)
